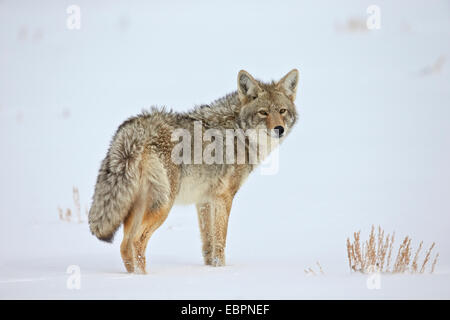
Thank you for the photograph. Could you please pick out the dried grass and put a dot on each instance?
(76, 201)
(67, 214)
(434, 68)
(352, 25)
(375, 254)
(310, 271)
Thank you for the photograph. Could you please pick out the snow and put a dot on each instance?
(371, 146)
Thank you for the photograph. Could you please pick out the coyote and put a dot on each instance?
(139, 180)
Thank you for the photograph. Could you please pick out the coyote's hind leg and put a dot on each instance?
(151, 221)
(126, 248)
(130, 227)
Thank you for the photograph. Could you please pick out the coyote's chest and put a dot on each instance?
(199, 185)
(193, 190)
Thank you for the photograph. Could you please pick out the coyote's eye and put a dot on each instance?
(283, 111)
(263, 113)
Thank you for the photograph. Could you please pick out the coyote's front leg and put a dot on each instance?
(205, 224)
(213, 221)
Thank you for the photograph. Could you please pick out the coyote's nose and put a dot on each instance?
(280, 130)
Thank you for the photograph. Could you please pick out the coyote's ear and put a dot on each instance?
(248, 88)
(289, 84)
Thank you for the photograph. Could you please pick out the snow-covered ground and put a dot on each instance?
(371, 146)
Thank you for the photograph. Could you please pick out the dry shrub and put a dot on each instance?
(352, 25)
(310, 271)
(376, 252)
(76, 201)
(67, 214)
(434, 68)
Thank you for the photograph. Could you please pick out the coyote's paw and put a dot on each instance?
(139, 271)
(207, 257)
(218, 262)
(129, 265)
(140, 265)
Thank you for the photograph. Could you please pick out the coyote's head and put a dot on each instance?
(268, 105)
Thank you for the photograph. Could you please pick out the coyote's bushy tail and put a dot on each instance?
(117, 184)
(129, 168)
